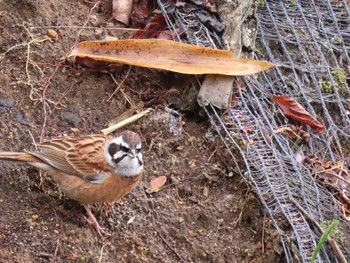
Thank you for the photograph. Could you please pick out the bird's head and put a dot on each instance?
(123, 153)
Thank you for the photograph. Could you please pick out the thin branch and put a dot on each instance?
(171, 248)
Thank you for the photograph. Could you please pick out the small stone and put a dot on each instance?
(71, 118)
(35, 217)
(7, 103)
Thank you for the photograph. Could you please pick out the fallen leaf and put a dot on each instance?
(122, 10)
(169, 55)
(294, 110)
(157, 28)
(96, 65)
(204, 13)
(333, 176)
(210, 21)
(294, 131)
(53, 34)
(152, 29)
(156, 184)
(139, 13)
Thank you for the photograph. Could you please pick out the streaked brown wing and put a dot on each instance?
(76, 156)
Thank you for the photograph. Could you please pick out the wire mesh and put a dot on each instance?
(309, 41)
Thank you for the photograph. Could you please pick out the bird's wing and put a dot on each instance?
(81, 157)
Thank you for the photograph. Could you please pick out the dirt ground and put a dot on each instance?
(201, 215)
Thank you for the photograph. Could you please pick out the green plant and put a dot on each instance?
(173, 159)
(323, 239)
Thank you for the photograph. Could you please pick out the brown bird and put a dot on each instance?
(89, 169)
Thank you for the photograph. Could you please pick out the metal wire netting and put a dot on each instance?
(309, 40)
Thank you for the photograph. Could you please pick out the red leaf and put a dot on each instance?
(152, 29)
(294, 110)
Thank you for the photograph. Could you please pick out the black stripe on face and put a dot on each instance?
(112, 149)
(140, 162)
(119, 159)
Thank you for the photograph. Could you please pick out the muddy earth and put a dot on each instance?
(204, 213)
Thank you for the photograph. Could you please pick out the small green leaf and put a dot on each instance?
(323, 239)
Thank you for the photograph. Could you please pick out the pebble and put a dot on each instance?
(71, 118)
(20, 117)
(7, 103)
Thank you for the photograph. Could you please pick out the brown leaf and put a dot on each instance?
(294, 110)
(157, 28)
(139, 13)
(156, 184)
(152, 29)
(122, 10)
(96, 65)
(53, 33)
(169, 55)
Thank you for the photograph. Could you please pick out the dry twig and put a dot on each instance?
(171, 248)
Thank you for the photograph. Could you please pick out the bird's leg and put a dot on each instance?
(92, 220)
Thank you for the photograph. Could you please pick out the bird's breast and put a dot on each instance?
(111, 189)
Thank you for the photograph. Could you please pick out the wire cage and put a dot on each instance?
(309, 41)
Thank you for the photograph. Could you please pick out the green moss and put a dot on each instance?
(340, 77)
(340, 83)
(327, 86)
(337, 40)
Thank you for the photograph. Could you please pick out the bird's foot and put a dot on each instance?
(93, 221)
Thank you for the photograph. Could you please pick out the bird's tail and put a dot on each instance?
(18, 156)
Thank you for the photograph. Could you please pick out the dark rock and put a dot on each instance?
(71, 118)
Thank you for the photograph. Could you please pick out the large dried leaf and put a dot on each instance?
(169, 55)
(294, 110)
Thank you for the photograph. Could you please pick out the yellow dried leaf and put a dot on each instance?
(169, 55)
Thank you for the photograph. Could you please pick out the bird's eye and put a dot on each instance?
(124, 149)
(138, 150)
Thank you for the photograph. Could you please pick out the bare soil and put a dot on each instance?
(201, 215)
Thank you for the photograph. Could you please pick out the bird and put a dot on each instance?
(89, 169)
